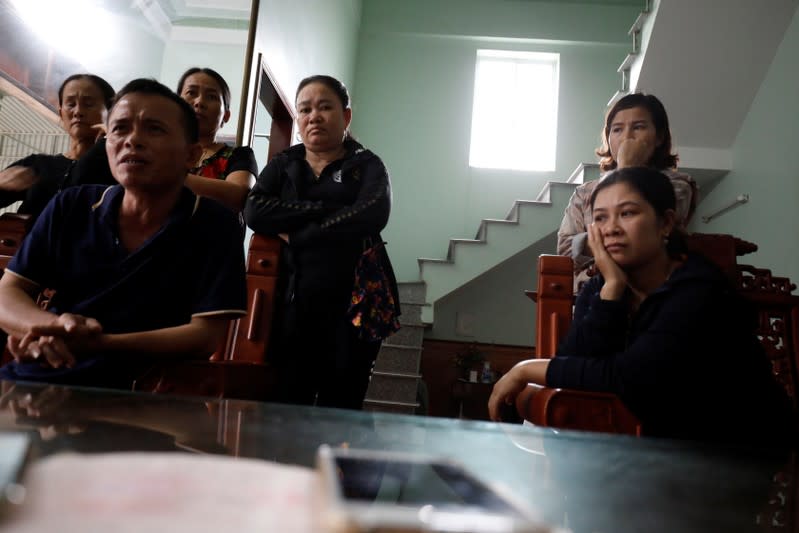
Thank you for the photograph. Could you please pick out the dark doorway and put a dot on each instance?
(273, 118)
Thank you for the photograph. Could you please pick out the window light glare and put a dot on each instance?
(53, 22)
(514, 117)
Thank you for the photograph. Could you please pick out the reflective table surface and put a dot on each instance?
(586, 482)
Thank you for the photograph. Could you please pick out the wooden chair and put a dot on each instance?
(13, 228)
(778, 329)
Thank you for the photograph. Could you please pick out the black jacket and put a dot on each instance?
(687, 362)
(330, 218)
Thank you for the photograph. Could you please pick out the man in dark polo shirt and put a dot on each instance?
(144, 270)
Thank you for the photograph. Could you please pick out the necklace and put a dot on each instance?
(207, 152)
(205, 155)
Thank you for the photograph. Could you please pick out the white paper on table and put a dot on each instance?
(127, 492)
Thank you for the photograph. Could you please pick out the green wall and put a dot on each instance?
(299, 38)
(412, 105)
(227, 59)
(765, 167)
(414, 80)
(501, 312)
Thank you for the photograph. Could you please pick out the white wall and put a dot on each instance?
(227, 59)
(766, 166)
(299, 38)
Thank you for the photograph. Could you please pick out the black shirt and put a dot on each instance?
(57, 172)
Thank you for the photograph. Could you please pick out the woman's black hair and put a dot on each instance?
(223, 86)
(100, 83)
(338, 88)
(654, 187)
(331, 83)
(662, 158)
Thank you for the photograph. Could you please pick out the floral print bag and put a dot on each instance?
(373, 309)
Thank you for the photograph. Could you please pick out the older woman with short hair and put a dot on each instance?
(83, 103)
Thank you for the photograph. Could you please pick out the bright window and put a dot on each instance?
(514, 118)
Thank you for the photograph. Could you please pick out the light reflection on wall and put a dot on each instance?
(80, 29)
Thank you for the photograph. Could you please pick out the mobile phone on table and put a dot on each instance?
(390, 492)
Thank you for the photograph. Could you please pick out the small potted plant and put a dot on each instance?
(469, 360)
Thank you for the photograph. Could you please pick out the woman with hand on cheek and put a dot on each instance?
(660, 327)
(636, 134)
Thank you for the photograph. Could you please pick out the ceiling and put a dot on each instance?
(206, 9)
(707, 60)
(634, 3)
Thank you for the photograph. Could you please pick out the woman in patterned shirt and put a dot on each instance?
(232, 169)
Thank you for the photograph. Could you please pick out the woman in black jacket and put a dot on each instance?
(327, 199)
(660, 327)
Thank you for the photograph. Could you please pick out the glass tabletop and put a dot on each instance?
(587, 482)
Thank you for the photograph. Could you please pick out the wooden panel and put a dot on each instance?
(440, 374)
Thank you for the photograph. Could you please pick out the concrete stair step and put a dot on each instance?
(411, 314)
(398, 359)
(408, 335)
(393, 386)
(383, 406)
(411, 292)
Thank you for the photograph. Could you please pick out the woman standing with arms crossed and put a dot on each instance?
(83, 103)
(328, 199)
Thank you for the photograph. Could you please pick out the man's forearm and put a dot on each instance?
(193, 340)
(19, 312)
(17, 178)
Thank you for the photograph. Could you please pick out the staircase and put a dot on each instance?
(395, 384)
(631, 66)
(497, 240)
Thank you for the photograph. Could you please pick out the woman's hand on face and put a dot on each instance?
(633, 153)
(615, 278)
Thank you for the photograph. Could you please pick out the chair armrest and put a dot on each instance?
(577, 410)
